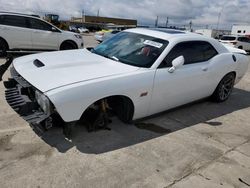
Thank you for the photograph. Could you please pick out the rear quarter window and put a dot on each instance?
(243, 39)
(1, 19)
(11, 20)
(40, 25)
(228, 38)
(209, 51)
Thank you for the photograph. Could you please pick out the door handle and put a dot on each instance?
(204, 68)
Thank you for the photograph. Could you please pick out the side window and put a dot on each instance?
(17, 21)
(243, 39)
(38, 24)
(1, 19)
(192, 51)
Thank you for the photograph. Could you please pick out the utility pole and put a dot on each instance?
(98, 12)
(156, 21)
(218, 21)
(83, 17)
(167, 23)
(190, 25)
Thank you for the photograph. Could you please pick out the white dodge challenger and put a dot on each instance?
(136, 73)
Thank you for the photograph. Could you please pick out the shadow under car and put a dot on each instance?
(122, 135)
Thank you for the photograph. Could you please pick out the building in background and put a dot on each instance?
(241, 30)
(104, 22)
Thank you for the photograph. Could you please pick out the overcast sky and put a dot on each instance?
(201, 12)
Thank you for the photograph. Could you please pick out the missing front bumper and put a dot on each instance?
(22, 104)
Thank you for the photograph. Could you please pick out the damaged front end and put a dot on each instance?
(27, 101)
(35, 107)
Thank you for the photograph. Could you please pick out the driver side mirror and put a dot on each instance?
(176, 63)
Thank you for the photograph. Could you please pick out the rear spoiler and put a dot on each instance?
(5, 66)
(234, 50)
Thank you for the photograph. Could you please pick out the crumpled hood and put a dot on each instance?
(67, 67)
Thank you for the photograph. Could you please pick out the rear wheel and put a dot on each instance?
(68, 46)
(3, 48)
(224, 89)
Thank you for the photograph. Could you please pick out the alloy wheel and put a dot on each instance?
(226, 87)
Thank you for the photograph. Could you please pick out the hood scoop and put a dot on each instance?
(38, 63)
(52, 70)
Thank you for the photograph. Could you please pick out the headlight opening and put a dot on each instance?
(43, 102)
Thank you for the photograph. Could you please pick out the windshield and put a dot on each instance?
(132, 49)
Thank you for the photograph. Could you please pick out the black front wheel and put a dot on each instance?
(224, 89)
(68, 46)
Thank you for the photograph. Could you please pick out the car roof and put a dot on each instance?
(166, 34)
(20, 14)
(168, 31)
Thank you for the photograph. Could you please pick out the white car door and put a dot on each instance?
(14, 29)
(187, 83)
(43, 36)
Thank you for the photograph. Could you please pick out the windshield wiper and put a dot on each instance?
(104, 55)
(114, 58)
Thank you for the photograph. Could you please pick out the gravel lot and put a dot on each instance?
(199, 145)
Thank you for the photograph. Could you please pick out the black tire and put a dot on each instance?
(240, 47)
(126, 111)
(3, 48)
(224, 89)
(68, 46)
